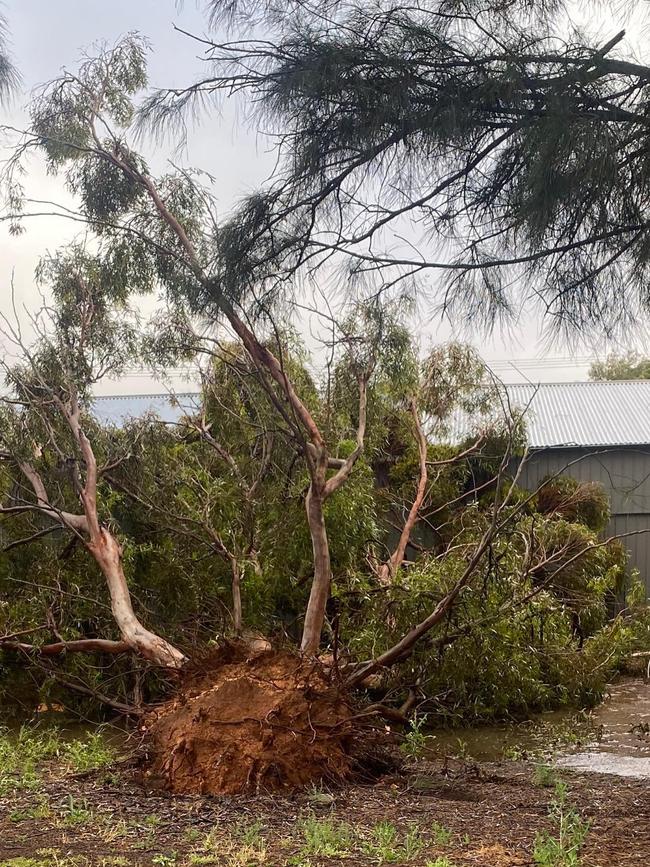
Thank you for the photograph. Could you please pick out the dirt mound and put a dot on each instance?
(248, 723)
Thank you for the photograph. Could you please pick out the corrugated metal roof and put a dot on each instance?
(116, 409)
(558, 414)
(565, 414)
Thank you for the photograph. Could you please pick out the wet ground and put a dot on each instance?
(614, 738)
(463, 805)
(450, 814)
(623, 734)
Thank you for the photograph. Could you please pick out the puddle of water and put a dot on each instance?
(622, 722)
(613, 739)
(606, 763)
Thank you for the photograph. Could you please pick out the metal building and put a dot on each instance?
(595, 431)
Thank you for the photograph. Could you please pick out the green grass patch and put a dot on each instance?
(24, 753)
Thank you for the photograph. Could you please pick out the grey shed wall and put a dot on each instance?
(624, 472)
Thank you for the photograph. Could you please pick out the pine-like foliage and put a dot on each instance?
(472, 142)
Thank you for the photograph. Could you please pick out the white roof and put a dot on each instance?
(565, 414)
(116, 409)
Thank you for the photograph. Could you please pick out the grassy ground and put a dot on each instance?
(65, 803)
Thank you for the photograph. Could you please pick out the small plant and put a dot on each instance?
(75, 812)
(161, 860)
(415, 741)
(90, 753)
(326, 837)
(387, 847)
(440, 862)
(412, 843)
(151, 822)
(564, 849)
(383, 843)
(250, 835)
(441, 835)
(544, 777)
(41, 810)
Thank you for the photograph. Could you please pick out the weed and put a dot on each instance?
(415, 741)
(92, 752)
(250, 835)
(383, 843)
(75, 812)
(246, 847)
(412, 843)
(440, 862)
(544, 776)
(324, 837)
(41, 810)
(151, 822)
(387, 847)
(564, 849)
(114, 831)
(23, 753)
(161, 860)
(441, 835)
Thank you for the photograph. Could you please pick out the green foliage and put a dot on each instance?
(326, 837)
(24, 752)
(415, 739)
(387, 846)
(630, 365)
(562, 850)
(544, 776)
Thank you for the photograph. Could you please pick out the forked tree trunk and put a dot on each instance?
(108, 554)
(320, 587)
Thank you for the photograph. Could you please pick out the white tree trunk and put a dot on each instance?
(107, 552)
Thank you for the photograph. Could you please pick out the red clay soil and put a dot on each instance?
(243, 723)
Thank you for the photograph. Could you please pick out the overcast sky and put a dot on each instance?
(50, 34)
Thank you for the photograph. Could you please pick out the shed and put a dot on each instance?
(595, 431)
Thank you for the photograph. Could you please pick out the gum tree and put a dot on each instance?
(161, 231)
(430, 115)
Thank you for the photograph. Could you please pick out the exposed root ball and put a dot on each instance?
(266, 722)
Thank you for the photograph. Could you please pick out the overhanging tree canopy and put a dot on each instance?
(472, 144)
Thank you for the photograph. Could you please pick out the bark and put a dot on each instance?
(108, 555)
(320, 587)
(81, 645)
(236, 596)
(388, 570)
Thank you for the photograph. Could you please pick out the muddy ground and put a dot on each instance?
(431, 814)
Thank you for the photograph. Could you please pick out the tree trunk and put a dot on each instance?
(236, 596)
(320, 587)
(387, 571)
(108, 554)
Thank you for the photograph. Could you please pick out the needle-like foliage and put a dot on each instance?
(482, 148)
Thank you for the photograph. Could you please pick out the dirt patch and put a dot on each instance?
(118, 824)
(248, 723)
